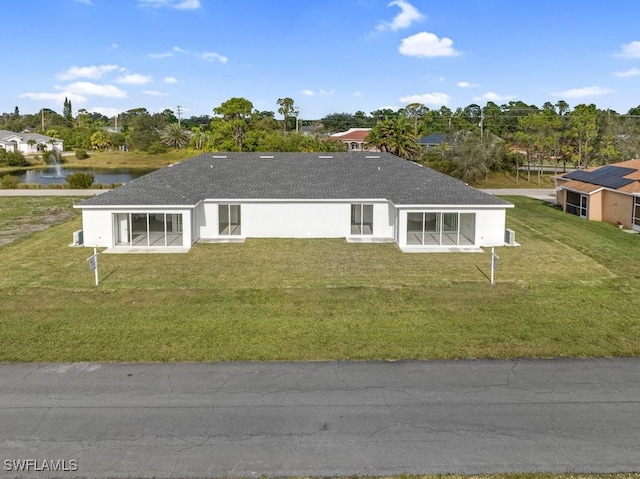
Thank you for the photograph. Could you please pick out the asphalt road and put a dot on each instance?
(320, 419)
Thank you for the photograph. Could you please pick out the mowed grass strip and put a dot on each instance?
(570, 290)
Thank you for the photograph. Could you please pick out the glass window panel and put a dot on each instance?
(139, 227)
(431, 222)
(174, 229)
(367, 219)
(234, 219)
(415, 228)
(223, 219)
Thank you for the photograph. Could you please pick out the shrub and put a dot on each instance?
(80, 181)
(9, 158)
(9, 182)
(157, 148)
(82, 154)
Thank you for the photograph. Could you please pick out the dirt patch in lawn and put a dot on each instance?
(22, 226)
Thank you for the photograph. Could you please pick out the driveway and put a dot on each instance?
(321, 419)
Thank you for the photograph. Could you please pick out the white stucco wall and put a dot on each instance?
(97, 228)
(294, 219)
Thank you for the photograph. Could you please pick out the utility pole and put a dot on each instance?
(179, 112)
(42, 119)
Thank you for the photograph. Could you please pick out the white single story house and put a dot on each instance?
(226, 197)
(28, 143)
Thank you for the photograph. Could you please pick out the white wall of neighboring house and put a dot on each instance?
(18, 142)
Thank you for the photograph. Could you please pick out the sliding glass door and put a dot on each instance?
(361, 219)
(229, 220)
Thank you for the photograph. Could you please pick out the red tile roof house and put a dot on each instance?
(354, 139)
(228, 197)
(608, 193)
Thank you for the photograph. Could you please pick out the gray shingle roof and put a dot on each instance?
(305, 176)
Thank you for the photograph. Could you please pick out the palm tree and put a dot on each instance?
(394, 135)
(174, 135)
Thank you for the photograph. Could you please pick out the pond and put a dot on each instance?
(56, 175)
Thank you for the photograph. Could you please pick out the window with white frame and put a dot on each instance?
(361, 219)
(229, 220)
(636, 211)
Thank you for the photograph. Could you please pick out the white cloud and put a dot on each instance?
(154, 93)
(425, 44)
(630, 50)
(134, 79)
(213, 57)
(582, 92)
(491, 96)
(206, 56)
(85, 2)
(105, 110)
(427, 99)
(94, 89)
(160, 55)
(175, 4)
(57, 97)
(114, 45)
(408, 15)
(632, 72)
(170, 80)
(358, 93)
(320, 92)
(93, 72)
(466, 84)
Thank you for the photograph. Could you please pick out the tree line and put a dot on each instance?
(479, 139)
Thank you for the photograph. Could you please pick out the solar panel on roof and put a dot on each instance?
(614, 182)
(608, 176)
(618, 171)
(579, 175)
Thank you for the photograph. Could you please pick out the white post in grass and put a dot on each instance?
(494, 263)
(93, 263)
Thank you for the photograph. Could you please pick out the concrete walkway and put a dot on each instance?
(538, 194)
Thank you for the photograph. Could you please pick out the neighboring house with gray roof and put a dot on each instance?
(28, 143)
(225, 197)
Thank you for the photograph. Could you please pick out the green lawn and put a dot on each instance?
(571, 289)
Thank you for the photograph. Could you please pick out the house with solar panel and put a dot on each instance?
(609, 193)
(229, 197)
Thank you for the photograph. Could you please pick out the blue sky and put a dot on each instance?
(328, 55)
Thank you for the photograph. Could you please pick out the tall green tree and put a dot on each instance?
(583, 132)
(234, 115)
(287, 110)
(67, 112)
